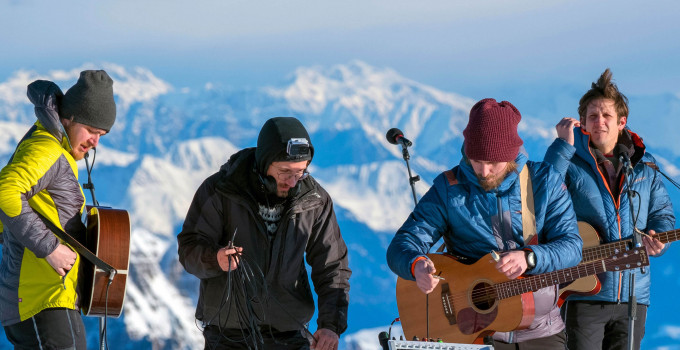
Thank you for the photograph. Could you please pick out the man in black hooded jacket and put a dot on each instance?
(246, 235)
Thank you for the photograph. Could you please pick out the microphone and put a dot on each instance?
(395, 136)
(621, 152)
(383, 338)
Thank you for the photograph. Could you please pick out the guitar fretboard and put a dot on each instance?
(608, 249)
(626, 260)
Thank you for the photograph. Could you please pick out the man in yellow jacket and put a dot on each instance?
(39, 301)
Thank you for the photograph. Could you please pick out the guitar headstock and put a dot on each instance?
(628, 259)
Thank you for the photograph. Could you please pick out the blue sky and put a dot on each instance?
(479, 48)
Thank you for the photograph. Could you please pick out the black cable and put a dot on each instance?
(89, 185)
(106, 310)
(675, 183)
(389, 333)
(243, 288)
(242, 291)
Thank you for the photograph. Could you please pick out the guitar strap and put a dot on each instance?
(452, 180)
(527, 196)
(79, 247)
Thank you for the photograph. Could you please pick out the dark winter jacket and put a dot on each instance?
(595, 204)
(226, 201)
(474, 222)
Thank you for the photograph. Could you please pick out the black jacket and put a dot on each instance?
(227, 201)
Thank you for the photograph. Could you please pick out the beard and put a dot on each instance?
(493, 181)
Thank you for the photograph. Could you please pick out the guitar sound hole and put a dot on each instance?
(483, 296)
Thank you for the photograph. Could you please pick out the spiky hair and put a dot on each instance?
(605, 89)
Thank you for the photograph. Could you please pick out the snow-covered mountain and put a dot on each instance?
(166, 141)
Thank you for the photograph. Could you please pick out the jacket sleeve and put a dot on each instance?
(660, 217)
(559, 155)
(327, 255)
(198, 242)
(32, 168)
(560, 245)
(421, 230)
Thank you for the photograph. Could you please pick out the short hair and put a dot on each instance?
(605, 89)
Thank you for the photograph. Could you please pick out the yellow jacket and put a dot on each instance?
(40, 177)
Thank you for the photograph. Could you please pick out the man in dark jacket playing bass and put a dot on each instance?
(246, 235)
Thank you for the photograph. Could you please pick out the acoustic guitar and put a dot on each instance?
(108, 237)
(477, 300)
(593, 250)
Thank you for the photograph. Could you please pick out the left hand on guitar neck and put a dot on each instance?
(512, 264)
(653, 245)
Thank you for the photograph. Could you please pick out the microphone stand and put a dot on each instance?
(90, 186)
(411, 179)
(637, 243)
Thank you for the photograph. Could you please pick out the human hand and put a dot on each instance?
(653, 245)
(565, 129)
(228, 258)
(62, 259)
(423, 273)
(512, 264)
(325, 339)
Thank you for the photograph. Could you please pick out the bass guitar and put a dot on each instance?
(475, 300)
(108, 237)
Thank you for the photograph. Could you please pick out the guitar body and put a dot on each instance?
(589, 285)
(461, 309)
(108, 237)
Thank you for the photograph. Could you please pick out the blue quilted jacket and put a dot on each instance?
(595, 204)
(474, 222)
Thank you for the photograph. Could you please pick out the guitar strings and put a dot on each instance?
(508, 286)
(492, 292)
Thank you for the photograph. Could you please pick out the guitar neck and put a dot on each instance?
(629, 260)
(608, 249)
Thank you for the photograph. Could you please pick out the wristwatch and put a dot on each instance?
(531, 259)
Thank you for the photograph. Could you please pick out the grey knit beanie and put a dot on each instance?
(274, 139)
(90, 100)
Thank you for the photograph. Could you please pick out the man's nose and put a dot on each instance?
(486, 170)
(291, 181)
(94, 140)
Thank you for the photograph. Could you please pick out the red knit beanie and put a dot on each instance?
(491, 133)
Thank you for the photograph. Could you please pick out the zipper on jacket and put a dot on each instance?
(63, 279)
(617, 206)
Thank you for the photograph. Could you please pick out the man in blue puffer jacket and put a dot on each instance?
(476, 207)
(589, 158)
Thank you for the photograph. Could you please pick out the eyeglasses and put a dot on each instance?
(287, 175)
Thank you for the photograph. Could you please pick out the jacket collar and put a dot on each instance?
(632, 141)
(239, 177)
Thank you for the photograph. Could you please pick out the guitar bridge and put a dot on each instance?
(449, 311)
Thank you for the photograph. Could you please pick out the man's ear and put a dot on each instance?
(622, 122)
